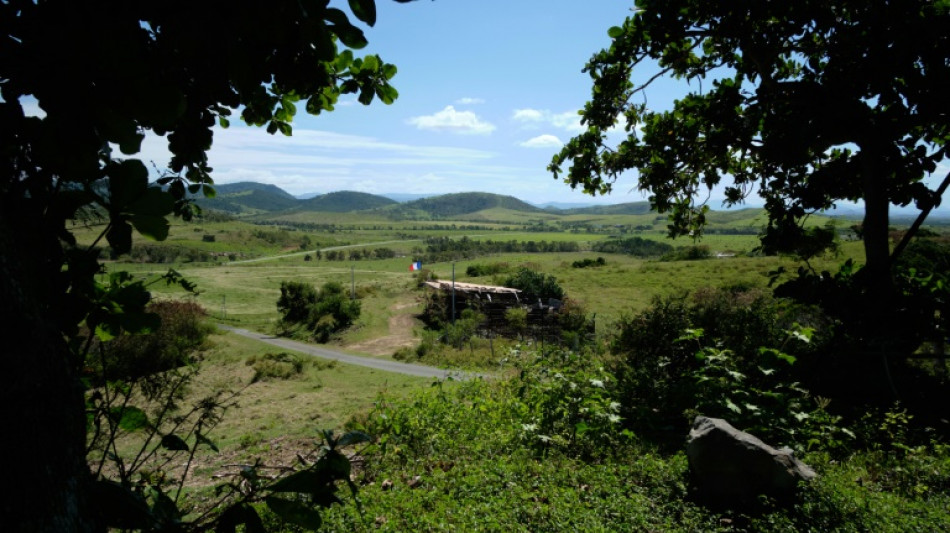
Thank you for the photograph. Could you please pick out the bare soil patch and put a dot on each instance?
(400, 333)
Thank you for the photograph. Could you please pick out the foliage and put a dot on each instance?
(440, 249)
(457, 456)
(635, 246)
(296, 301)
(174, 69)
(806, 105)
(658, 372)
(462, 329)
(182, 330)
(490, 269)
(322, 312)
(568, 404)
(535, 285)
(588, 262)
(281, 365)
(688, 253)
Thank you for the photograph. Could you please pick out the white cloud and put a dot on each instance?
(543, 141)
(470, 101)
(568, 121)
(450, 120)
(528, 115)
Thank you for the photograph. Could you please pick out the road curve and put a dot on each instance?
(333, 355)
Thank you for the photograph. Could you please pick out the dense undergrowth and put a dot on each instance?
(544, 452)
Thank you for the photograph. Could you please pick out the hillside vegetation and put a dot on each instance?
(580, 430)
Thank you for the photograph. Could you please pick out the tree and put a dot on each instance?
(535, 285)
(104, 73)
(806, 103)
(322, 312)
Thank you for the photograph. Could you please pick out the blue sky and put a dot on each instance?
(489, 89)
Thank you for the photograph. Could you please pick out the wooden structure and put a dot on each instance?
(493, 302)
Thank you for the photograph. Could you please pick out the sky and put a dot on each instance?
(489, 91)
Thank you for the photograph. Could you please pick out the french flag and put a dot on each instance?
(416, 265)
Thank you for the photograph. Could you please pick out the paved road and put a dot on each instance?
(378, 364)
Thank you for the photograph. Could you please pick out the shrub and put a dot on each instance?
(535, 285)
(296, 300)
(281, 365)
(323, 313)
(658, 368)
(688, 253)
(183, 330)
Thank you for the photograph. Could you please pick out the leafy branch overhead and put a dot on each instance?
(105, 75)
(806, 104)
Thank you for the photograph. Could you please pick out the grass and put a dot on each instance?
(455, 456)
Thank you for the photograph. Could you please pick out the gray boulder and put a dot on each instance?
(732, 467)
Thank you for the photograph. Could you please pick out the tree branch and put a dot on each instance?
(905, 240)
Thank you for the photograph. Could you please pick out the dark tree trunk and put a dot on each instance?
(877, 271)
(45, 471)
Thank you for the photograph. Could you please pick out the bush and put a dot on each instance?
(535, 285)
(183, 330)
(587, 263)
(659, 362)
(323, 313)
(688, 253)
(281, 365)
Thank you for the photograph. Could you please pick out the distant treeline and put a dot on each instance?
(355, 254)
(635, 246)
(167, 254)
(439, 249)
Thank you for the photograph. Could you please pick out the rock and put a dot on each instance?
(732, 467)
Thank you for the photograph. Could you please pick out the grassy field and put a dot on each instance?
(460, 443)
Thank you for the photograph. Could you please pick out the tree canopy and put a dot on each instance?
(806, 104)
(104, 74)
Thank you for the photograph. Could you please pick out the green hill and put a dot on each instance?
(345, 202)
(247, 198)
(450, 205)
(631, 208)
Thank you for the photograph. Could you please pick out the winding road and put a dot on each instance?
(333, 355)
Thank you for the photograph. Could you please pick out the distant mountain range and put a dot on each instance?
(250, 198)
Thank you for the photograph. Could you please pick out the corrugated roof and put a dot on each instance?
(470, 287)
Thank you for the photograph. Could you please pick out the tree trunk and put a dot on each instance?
(45, 468)
(877, 271)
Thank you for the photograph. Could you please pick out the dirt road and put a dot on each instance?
(378, 364)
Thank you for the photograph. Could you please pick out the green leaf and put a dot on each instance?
(370, 63)
(153, 227)
(348, 33)
(119, 236)
(131, 144)
(295, 512)
(366, 96)
(174, 442)
(224, 123)
(364, 10)
(732, 406)
(614, 32)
